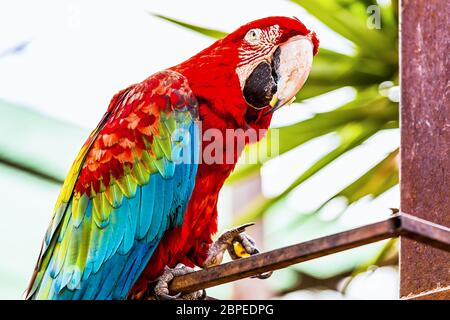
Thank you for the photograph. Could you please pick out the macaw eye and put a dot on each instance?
(253, 36)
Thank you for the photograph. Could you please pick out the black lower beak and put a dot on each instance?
(260, 86)
(275, 83)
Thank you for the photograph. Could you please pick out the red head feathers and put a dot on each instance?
(240, 79)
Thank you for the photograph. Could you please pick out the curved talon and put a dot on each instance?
(245, 226)
(228, 236)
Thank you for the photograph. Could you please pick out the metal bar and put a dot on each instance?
(424, 231)
(400, 224)
(283, 257)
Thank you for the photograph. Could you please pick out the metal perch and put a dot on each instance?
(400, 224)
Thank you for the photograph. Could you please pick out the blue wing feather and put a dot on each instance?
(113, 268)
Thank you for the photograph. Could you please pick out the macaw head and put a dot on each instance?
(254, 70)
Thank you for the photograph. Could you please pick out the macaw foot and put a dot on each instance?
(237, 243)
(162, 286)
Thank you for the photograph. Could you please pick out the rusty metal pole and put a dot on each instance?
(425, 147)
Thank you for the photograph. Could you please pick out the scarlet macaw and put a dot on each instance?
(130, 210)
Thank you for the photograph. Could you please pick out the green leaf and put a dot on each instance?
(332, 70)
(313, 90)
(341, 71)
(351, 135)
(374, 182)
(371, 108)
(216, 34)
(347, 24)
(365, 106)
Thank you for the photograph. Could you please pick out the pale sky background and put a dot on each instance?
(82, 52)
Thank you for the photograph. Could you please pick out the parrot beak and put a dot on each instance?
(274, 80)
(291, 62)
